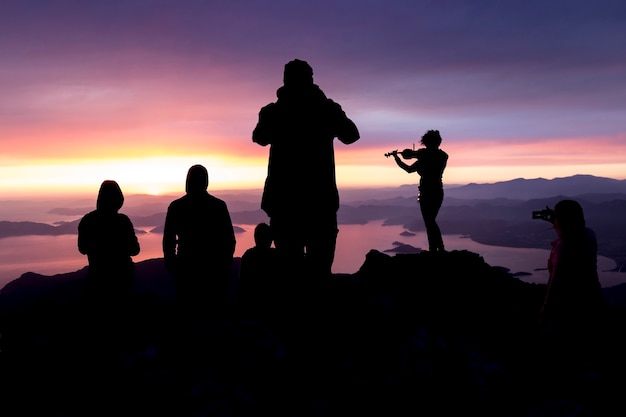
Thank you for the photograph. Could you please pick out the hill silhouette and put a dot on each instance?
(409, 334)
(528, 189)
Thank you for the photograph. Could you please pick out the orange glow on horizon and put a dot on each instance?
(154, 175)
(357, 166)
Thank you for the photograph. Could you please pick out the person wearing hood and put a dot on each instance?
(199, 244)
(300, 195)
(108, 239)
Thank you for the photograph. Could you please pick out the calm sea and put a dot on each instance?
(49, 255)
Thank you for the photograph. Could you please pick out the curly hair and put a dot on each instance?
(431, 139)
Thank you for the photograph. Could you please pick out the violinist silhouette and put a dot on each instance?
(430, 164)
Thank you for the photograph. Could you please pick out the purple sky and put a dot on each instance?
(533, 88)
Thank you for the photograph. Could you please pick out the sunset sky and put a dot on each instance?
(139, 90)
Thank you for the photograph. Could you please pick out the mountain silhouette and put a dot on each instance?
(527, 189)
(408, 334)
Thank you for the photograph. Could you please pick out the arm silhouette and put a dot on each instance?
(265, 128)
(346, 130)
(403, 165)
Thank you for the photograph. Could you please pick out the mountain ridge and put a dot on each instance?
(525, 189)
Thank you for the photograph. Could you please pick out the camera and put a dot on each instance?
(546, 214)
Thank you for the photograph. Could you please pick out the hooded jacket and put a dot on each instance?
(106, 236)
(198, 233)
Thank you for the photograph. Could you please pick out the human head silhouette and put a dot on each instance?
(298, 73)
(569, 217)
(197, 180)
(263, 235)
(110, 197)
(431, 139)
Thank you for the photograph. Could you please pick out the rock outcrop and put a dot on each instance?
(410, 334)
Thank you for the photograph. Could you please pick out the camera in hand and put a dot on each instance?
(546, 214)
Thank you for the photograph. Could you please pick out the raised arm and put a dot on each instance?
(345, 129)
(403, 165)
(264, 130)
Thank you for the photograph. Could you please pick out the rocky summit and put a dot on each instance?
(425, 334)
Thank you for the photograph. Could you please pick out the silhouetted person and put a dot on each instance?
(573, 298)
(258, 274)
(198, 247)
(430, 164)
(573, 310)
(108, 239)
(300, 194)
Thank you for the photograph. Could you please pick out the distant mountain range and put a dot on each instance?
(494, 214)
(9, 229)
(528, 189)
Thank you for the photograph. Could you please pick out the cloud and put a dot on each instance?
(185, 76)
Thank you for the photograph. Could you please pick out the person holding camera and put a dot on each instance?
(573, 334)
(573, 298)
(430, 164)
(300, 195)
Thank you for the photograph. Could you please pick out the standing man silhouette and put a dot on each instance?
(300, 195)
(430, 164)
(198, 246)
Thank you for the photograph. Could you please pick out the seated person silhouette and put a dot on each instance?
(198, 247)
(258, 273)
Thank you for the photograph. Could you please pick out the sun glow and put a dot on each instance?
(356, 166)
(155, 175)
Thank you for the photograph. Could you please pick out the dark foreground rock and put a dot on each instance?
(410, 334)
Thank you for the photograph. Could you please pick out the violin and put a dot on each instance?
(406, 154)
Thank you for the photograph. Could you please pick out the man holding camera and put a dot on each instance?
(300, 195)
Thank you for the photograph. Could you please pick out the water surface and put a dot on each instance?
(49, 255)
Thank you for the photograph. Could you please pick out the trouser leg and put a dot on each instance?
(429, 207)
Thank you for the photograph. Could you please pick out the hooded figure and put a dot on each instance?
(199, 242)
(108, 239)
(300, 194)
